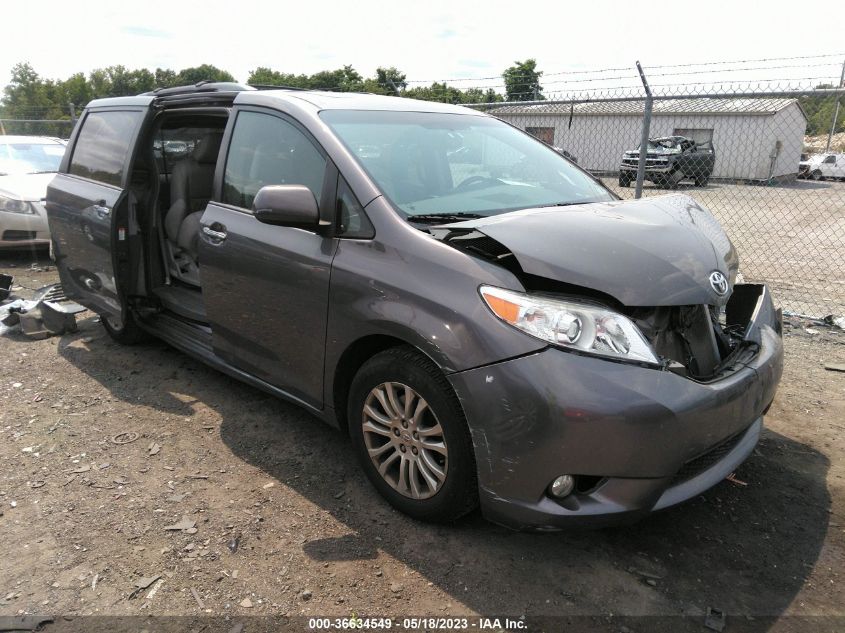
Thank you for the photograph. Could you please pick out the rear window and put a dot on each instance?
(103, 144)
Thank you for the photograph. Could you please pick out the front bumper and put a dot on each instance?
(652, 438)
(23, 230)
(649, 169)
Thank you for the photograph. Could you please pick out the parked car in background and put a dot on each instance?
(488, 322)
(821, 166)
(27, 165)
(669, 160)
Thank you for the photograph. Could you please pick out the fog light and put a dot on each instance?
(562, 486)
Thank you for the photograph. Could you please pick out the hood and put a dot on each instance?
(650, 252)
(31, 187)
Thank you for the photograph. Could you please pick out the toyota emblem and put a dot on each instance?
(719, 283)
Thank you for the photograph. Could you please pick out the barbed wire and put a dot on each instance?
(749, 61)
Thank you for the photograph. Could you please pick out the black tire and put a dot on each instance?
(817, 175)
(624, 181)
(702, 182)
(128, 333)
(458, 492)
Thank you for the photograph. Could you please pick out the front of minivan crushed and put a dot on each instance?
(486, 320)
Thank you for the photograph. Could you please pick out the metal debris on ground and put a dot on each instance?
(124, 438)
(834, 320)
(714, 619)
(733, 479)
(47, 313)
(5, 286)
(234, 544)
(834, 366)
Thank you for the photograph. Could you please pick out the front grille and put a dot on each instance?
(18, 235)
(699, 464)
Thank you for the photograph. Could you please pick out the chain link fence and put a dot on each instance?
(768, 162)
(38, 121)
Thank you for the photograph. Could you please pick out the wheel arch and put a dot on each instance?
(350, 361)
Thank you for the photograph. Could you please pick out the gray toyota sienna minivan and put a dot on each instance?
(489, 324)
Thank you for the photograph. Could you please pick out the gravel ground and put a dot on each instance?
(107, 450)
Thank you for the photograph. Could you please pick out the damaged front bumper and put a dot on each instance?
(637, 439)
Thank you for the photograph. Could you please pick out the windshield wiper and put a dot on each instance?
(564, 204)
(443, 218)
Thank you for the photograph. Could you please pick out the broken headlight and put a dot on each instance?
(570, 324)
(11, 204)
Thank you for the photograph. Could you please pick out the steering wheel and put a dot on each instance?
(476, 180)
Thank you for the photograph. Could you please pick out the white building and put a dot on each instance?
(754, 139)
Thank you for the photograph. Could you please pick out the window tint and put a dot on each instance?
(830, 160)
(267, 150)
(103, 145)
(351, 219)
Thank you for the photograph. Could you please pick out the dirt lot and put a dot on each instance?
(285, 523)
(789, 236)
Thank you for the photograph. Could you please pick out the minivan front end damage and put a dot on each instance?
(634, 438)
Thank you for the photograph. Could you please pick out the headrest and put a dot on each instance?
(208, 147)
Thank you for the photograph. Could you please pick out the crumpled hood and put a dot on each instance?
(650, 252)
(30, 187)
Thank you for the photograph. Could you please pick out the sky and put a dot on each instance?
(427, 40)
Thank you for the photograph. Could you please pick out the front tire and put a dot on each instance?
(411, 436)
(624, 181)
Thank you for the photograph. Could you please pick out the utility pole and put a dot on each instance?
(835, 110)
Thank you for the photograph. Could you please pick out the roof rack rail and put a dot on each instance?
(202, 86)
(273, 87)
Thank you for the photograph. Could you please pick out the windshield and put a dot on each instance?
(30, 158)
(670, 145)
(439, 163)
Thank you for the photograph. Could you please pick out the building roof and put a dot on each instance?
(703, 106)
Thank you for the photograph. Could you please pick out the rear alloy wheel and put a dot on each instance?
(411, 436)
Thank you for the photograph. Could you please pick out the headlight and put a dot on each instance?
(570, 324)
(11, 204)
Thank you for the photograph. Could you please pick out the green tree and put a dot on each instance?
(205, 72)
(165, 78)
(391, 80)
(819, 110)
(522, 81)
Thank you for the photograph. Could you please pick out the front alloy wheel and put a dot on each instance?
(411, 435)
(404, 440)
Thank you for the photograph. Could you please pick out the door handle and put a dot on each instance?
(102, 211)
(217, 236)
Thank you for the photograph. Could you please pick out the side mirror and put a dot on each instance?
(286, 205)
